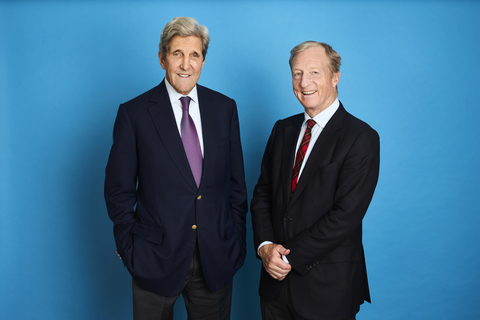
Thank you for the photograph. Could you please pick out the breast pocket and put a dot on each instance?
(324, 183)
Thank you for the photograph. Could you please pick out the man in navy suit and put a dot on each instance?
(175, 187)
(318, 175)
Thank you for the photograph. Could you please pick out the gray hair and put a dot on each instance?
(334, 59)
(183, 27)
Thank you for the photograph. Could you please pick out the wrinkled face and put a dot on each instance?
(183, 63)
(313, 84)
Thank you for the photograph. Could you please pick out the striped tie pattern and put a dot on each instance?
(301, 153)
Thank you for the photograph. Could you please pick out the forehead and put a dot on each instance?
(187, 44)
(309, 58)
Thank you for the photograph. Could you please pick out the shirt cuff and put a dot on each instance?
(262, 244)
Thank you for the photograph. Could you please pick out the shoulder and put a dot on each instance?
(354, 124)
(295, 120)
(209, 94)
(145, 99)
(357, 132)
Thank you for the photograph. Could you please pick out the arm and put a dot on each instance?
(355, 185)
(120, 181)
(238, 193)
(261, 206)
(270, 253)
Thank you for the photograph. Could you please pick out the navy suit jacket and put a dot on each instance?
(157, 210)
(321, 223)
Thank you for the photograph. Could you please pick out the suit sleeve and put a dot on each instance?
(120, 182)
(261, 207)
(355, 186)
(238, 194)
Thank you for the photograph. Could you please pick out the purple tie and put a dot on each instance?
(191, 142)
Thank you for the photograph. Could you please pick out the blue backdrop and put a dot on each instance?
(410, 69)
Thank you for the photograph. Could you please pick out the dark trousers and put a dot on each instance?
(200, 302)
(281, 308)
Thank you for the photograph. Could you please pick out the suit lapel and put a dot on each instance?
(209, 118)
(323, 146)
(164, 120)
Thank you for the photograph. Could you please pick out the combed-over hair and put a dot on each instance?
(334, 59)
(183, 27)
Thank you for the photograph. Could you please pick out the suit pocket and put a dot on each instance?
(342, 254)
(322, 186)
(230, 229)
(150, 233)
(223, 142)
(331, 167)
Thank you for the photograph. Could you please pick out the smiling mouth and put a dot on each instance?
(307, 93)
(183, 75)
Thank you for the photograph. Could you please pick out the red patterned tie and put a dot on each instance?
(301, 153)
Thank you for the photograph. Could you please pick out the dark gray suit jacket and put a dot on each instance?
(322, 222)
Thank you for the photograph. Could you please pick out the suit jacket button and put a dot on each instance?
(199, 197)
(194, 227)
(287, 218)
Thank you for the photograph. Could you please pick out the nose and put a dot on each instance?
(185, 63)
(305, 80)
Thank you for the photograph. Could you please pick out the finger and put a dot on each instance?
(277, 276)
(278, 271)
(281, 250)
(278, 265)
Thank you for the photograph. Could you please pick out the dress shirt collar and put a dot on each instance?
(175, 96)
(323, 117)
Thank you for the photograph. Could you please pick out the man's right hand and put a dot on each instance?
(271, 255)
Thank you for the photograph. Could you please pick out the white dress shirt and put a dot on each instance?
(194, 109)
(321, 120)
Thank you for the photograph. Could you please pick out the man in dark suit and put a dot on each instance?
(175, 187)
(318, 175)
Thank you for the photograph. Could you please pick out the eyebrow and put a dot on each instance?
(193, 52)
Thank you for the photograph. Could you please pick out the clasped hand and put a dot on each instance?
(271, 255)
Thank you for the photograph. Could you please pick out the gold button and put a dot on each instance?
(194, 227)
(199, 197)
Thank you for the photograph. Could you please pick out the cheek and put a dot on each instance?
(198, 69)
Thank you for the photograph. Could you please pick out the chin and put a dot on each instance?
(183, 90)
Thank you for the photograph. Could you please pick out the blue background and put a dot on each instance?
(410, 69)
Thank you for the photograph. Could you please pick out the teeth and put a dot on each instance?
(184, 75)
(309, 92)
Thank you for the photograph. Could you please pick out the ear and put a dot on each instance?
(161, 60)
(335, 78)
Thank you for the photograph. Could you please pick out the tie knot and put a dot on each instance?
(185, 102)
(310, 123)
